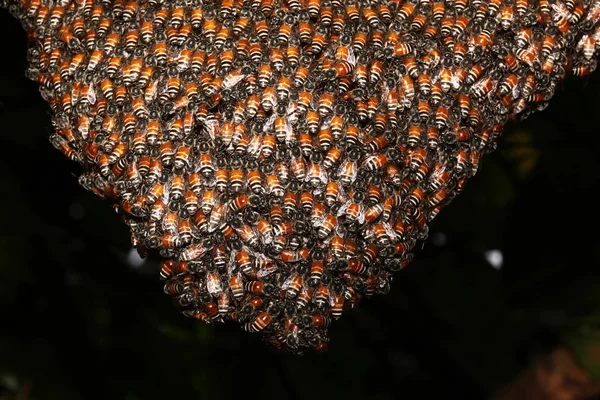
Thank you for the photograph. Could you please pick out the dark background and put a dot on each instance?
(79, 319)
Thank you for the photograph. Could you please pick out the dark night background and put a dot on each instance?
(82, 319)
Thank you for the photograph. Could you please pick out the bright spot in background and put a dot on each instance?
(10, 382)
(133, 259)
(495, 258)
(438, 239)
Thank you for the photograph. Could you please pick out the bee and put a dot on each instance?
(64, 148)
(325, 104)
(408, 89)
(587, 44)
(276, 58)
(356, 266)
(56, 16)
(460, 50)
(236, 180)
(418, 22)
(173, 288)
(255, 287)
(321, 298)
(191, 202)
(332, 157)
(472, 120)
(482, 88)
(561, 17)
(480, 13)
(424, 84)
(318, 42)
(274, 186)
(506, 17)
(208, 201)
(177, 188)
(522, 7)
(32, 8)
(523, 37)
(360, 39)
(166, 269)
(528, 85)
(461, 161)
(223, 303)
(159, 208)
(167, 153)
(508, 85)
(303, 298)
(244, 262)
(170, 241)
(120, 95)
(289, 202)
(292, 286)
(315, 175)
(269, 99)
(255, 182)
(235, 282)
(261, 321)
(216, 214)
(155, 171)
(266, 231)
(437, 197)
(424, 110)
(182, 157)
(577, 13)
(213, 283)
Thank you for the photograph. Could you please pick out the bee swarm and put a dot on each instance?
(284, 156)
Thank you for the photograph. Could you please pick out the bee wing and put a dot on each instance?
(233, 79)
(292, 109)
(192, 252)
(323, 176)
(342, 195)
(254, 147)
(289, 132)
(581, 42)
(361, 214)
(390, 231)
(596, 35)
(292, 112)
(560, 9)
(516, 92)
(91, 94)
(331, 299)
(455, 82)
(351, 57)
(368, 160)
(349, 168)
(174, 55)
(269, 124)
(231, 264)
(286, 284)
(344, 208)
(213, 283)
(217, 214)
(210, 126)
(267, 267)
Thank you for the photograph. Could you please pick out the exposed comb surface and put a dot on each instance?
(285, 156)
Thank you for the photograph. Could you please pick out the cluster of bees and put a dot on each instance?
(284, 156)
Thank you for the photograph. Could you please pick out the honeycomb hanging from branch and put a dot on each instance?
(284, 156)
